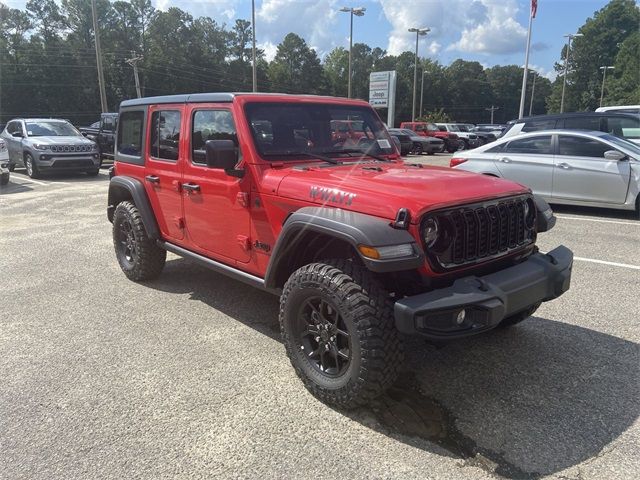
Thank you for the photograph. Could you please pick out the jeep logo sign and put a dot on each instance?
(332, 195)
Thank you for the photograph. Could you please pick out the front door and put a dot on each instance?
(164, 156)
(216, 205)
(582, 173)
(14, 144)
(528, 161)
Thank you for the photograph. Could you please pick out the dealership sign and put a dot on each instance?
(382, 92)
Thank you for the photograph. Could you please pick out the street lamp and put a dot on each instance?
(604, 75)
(418, 32)
(422, 91)
(569, 36)
(358, 12)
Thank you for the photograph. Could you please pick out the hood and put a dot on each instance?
(380, 189)
(60, 140)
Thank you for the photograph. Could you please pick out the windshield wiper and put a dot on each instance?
(355, 150)
(294, 153)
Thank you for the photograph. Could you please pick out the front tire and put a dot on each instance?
(417, 149)
(4, 179)
(139, 257)
(338, 329)
(12, 167)
(30, 165)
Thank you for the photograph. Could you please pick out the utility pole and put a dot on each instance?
(492, 109)
(134, 63)
(253, 48)
(533, 90)
(418, 32)
(103, 93)
(604, 75)
(566, 66)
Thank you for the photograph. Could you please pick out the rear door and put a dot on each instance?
(528, 161)
(216, 205)
(582, 173)
(163, 169)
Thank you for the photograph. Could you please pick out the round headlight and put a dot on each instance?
(430, 232)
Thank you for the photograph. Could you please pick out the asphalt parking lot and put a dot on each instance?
(185, 376)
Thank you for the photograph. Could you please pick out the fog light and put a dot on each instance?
(460, 317)
(43, 157)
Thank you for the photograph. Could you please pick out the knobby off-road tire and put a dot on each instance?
(139, 257)
(346, 295)
(518, 317)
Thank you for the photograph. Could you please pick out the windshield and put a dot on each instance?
(287, 129)
(51, 129)
(623, 143)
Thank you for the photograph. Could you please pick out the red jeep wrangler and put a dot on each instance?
(360, 247)
(425, 129)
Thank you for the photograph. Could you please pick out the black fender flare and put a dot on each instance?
(351, 227)
(545, 219)
(136, 191)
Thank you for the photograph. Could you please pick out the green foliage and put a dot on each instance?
(436, 116)
(296, 68)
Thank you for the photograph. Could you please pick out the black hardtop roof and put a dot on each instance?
(214, 97)
(558, 116)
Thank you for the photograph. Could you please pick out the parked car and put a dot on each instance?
(451, 140)
(467, 139)
(564, 166)
(4, 163)
(494, 129)
(484, 137)
(49, 145)
(103, 133)
(420, 143)
(361, 248)
(406, 144)
(620, 109)
(623, 125)
(347, 131)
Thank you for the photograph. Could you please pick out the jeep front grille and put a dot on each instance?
(471, 234)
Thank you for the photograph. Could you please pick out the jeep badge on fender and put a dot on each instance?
(424, 251)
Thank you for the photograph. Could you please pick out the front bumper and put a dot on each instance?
(486, 300)
(67, 162)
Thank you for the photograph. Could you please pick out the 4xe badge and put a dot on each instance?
(332, 195)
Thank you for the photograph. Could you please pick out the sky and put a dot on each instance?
(492, 32)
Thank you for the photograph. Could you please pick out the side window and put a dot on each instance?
(536, 125)
(534, 145)
(624, 127)
(496, 149)
(164, 137)
(215, 125)
(14, 127)
(130, 133)
(582, 123)
(107, 124)
(581, 147)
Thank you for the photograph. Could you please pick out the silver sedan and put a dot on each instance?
(564, 166)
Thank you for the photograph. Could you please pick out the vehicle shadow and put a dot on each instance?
(73, 177)
(594, 212)
(12, 187)
(522, 403)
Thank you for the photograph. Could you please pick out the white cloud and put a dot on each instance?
(209, 8)
(543, 72)
(270, 49)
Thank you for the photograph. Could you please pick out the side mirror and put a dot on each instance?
(614, 155)
(17, 134)
(223, 154)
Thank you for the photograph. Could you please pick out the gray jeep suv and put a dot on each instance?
(49, 145)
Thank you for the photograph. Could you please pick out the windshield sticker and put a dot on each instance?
(384, 143)
(331, 195)
(29, 132)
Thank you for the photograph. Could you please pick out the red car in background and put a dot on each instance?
(427, 129)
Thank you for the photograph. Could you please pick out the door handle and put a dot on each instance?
(505, 160)
(565, 166)
(152, 179)
(190, 187)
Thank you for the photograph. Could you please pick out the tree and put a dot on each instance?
(469, 91)
(623, 87)
(296, 68)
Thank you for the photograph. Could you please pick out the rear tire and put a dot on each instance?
(338, 329)
(139, 256)
(417, 149)
(4, 179)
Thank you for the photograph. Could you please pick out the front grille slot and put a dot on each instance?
(488, 230)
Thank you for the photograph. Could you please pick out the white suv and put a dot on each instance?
(467, 139)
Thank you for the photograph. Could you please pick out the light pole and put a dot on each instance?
(253, 47)
(421, 91)
(566, 66)
(358, 12)
(418, 32)
(604, 75)
(533, 91)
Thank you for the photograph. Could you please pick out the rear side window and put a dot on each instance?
(581, 147)
(534, 145)
(130, 133)
(536, 125)
(214, 125)
(583, 123)
(165, 135)
(625, 127)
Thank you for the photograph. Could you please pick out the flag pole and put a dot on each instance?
(526, 64)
